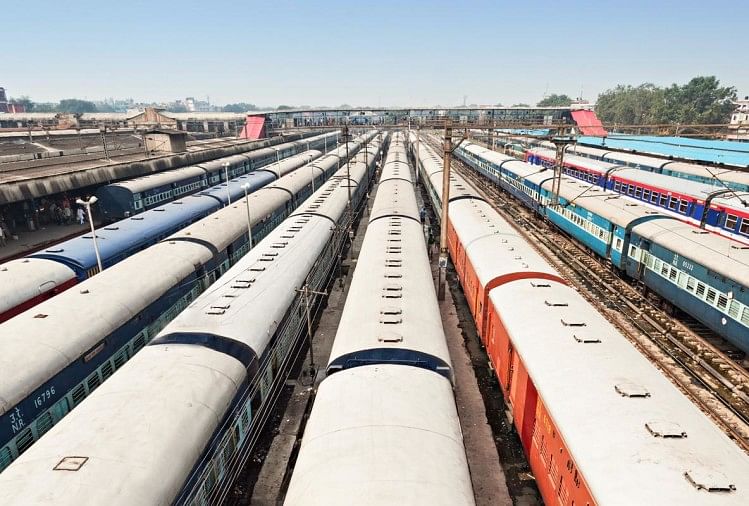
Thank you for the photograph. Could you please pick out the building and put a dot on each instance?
(3, 101)
(162, 140)
(738, 128)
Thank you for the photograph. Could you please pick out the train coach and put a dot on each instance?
(719, 209)
(24, 283)
(206, 383)
(127, 198)
(605, 223)
(715, 176)
(599, 423)
(40, 276)
(384, 427)
(55, 354)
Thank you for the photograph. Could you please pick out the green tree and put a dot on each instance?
(520, 105)
(283, 108)
(701, 101)
(630, 105)
(45, 107)
(239, 107)
(75, 105)
(555, 100)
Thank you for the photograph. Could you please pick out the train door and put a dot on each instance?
(642, 257)
(510, 370)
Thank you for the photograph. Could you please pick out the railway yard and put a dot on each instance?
(441, 315)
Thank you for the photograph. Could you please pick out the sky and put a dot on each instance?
(379, 53)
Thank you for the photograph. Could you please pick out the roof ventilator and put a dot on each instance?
(573, 324)
(668, 430)
(556, 304)
(390, 337)
(710, 481)
(631, 390)
(585, 340)
(72, 463)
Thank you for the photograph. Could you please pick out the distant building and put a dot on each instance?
(163, 140)
(15, 108)
(3, 101)
(738, 128)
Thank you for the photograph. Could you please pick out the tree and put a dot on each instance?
(283, 108)
(629, 105)
(520, 105)
(176, 107)
(701, 101)
(239, 107)
(75, 105)
(555, 100)
(45, 107)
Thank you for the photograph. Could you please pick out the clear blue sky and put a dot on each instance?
(382, 52)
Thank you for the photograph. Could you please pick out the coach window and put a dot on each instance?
(638, 192)
(654, 197)
(645, 195)
(617, 186)
(664, 200)
(731, 220)
(631, 189)
(744, 227)
(683, 206)
(672, 203)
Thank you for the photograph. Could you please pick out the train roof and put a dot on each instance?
(78, 253)
(494, 247)
(717, 172)
(49, 336)
(597, 166)
(611, 206)
(143, 183)
(25, 278)
(632, 449)
(382, 435)
(218, 163)
(258, 284)
(206, 381)
(391, 303)
(694, 169)
(715, 252)
(509, 163)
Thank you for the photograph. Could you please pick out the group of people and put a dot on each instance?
(61, 212)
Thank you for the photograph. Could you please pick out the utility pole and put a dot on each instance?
(561, 143)
(348, 167)
(104, 142)
(416, 158)
(306, 292)
(445, 205)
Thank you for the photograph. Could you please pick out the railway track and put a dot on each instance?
(717, 384)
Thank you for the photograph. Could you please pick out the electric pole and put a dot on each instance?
(561, 143)
(306, 292)
(447, 151)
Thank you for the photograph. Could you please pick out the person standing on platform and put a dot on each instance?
(81, 215)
